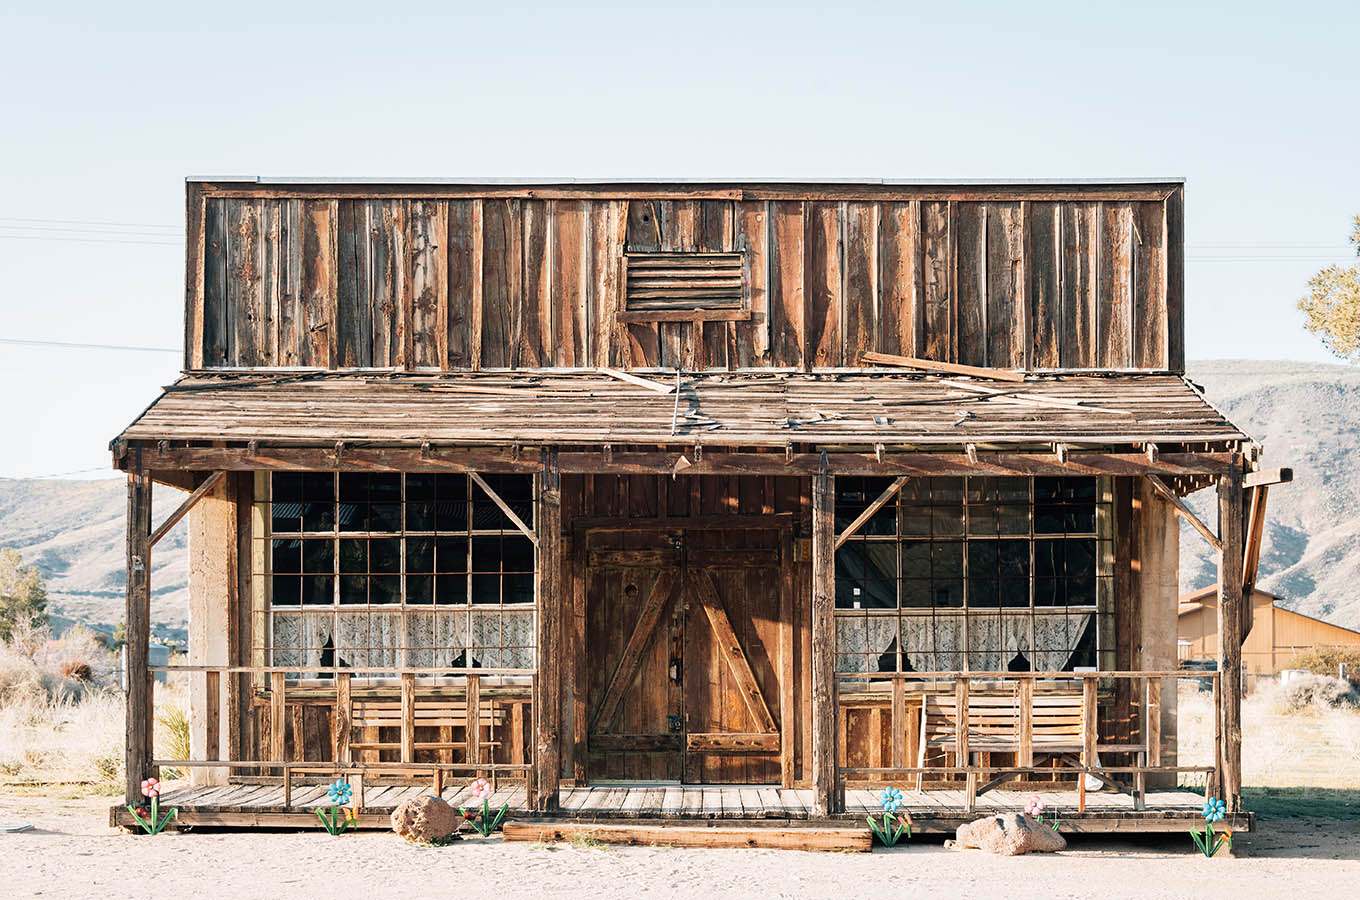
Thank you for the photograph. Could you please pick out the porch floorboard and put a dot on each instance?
(937, 810)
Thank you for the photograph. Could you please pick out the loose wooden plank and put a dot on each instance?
(930, 365)
(834, 838)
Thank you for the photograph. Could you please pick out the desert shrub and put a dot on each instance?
(172, 731)
(1317, 692)
(1327, 660)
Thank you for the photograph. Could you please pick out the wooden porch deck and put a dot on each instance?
(253, 805)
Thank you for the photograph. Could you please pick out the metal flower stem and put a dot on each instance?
(156, 824)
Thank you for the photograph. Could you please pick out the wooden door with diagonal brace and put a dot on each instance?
(683, 636)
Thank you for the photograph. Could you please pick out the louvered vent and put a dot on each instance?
(683, 281)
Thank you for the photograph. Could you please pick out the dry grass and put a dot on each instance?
(1281, 747)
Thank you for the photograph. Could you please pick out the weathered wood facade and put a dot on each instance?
(466, 277)
(581, 484)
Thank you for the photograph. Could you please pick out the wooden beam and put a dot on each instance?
(732, 742)
(408, 718)
(138, 720)
(474, 719)
(1165, 492)
(788, 713)
(278, 722)
(641, 382)
(1230, 600)
(212, 715)
(547, 760)
(834, 838)
(1251, 557)
(638, 641)
(504, 507)
(823, 662)
(1267, 477)
(184, 507)
(930, 365)
(713, 462)
(730, 647)
(343, 715)
(873, 508)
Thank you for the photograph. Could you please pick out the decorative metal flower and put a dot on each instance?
(481, 789)
(1035, 806)
(1214, 810)
(151, 787)
(891, 798)
(339, 793)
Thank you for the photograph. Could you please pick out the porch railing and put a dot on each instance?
(1025, 714)
(404, 698)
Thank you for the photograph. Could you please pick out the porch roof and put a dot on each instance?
(591, 407)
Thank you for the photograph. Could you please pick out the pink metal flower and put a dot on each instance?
(1034, 806)
(151, 787)
(481, 789)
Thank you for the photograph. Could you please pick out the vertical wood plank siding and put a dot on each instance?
(458, 283)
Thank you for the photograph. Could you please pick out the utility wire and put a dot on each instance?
(72, 345)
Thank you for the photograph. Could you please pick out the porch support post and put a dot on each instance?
(138, 720)
(1230, 600)
(825, 797)
(548, 699)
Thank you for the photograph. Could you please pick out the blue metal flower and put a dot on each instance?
(891, 798)
(339, 793)
(1214, 810)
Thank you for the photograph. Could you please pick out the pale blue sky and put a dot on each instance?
(106, 107)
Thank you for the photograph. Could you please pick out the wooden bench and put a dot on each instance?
(1060, 724)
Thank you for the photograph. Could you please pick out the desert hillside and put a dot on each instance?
(74, 531)
(1306, 415)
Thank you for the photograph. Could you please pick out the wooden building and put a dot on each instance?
(1276, 635)
(682, 500)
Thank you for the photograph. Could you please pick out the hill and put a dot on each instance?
(1306, 415)
(74, 531)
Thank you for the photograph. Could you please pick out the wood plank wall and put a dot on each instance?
(1074, 280)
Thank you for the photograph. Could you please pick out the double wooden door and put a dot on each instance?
(685, 643)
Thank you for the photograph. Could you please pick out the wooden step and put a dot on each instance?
(719, 836)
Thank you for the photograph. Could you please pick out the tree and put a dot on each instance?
(23, 597)
(1332, 305)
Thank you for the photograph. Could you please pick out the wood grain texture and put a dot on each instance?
(499, 279)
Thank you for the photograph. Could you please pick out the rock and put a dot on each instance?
(425, 819)
(1009, 835)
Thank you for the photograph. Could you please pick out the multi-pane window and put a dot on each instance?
(372, 570)
(980, 574)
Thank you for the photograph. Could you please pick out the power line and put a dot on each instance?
(85, 240)
(72, 345)
(89, 222)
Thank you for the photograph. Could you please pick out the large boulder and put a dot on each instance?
(1009, 834)
(425, 819)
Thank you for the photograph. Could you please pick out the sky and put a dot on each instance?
(108, 107)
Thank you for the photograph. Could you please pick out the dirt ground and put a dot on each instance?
(72, 853)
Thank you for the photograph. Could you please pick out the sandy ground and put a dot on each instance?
(71, 852)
